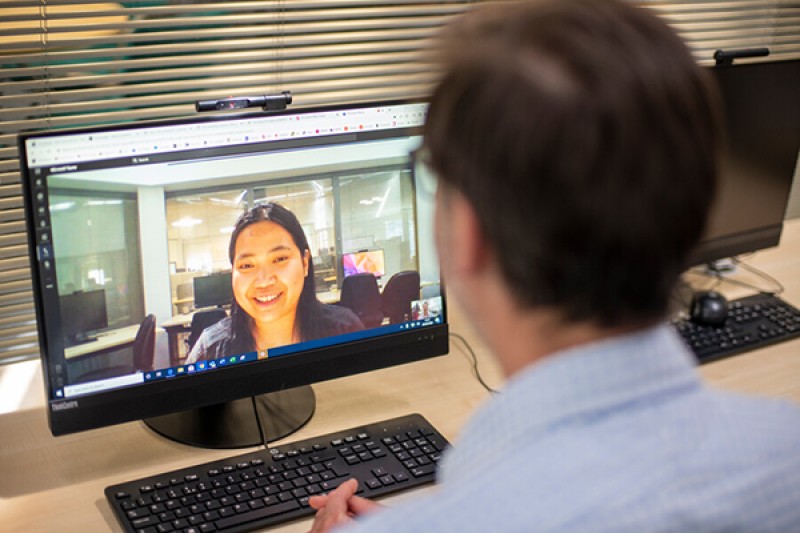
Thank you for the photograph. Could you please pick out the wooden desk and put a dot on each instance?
(56, 484)
(175, 327)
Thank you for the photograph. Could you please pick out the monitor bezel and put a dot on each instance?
(127, 404)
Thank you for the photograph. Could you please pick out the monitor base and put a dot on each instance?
(234, 424)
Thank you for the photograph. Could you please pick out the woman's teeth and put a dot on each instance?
(267, 299)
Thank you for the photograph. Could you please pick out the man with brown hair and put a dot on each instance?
(575, 143)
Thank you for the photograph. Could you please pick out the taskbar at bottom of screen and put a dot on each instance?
(188, 369)
(200, 366)
(215, 364)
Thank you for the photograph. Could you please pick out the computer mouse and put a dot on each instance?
(709, 308)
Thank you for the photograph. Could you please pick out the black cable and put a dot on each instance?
(721, 278)
(264, 440)
(763, 275)
(475, 371)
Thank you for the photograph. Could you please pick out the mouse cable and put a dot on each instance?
(777, 289)
(475, 371)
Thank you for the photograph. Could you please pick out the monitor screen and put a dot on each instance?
(272, 198)
(364, 261)
(213, 290)
(84, 314)
(762, 124)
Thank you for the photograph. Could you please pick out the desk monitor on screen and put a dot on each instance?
(84, 314)
(762, 125)
(212, 291)
(158, 200)
(364, 261)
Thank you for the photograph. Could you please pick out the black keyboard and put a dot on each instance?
(267, 487)
(753, 322)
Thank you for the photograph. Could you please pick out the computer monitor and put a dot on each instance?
(157, 201)
(84, 314)
(762, 125)
(212, 291)
(364, 261)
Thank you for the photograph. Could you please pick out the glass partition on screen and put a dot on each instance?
(762, 124)
(146, 216)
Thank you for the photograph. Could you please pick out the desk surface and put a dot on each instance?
(107, 340)
(52, 484)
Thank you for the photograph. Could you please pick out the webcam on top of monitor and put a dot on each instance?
(267, 102)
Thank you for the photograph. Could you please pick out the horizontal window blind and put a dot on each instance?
(77, 63)
(709, 26)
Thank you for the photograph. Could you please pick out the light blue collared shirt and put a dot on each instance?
(620, 435)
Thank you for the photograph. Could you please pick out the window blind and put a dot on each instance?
(67, 63)
(708, 26)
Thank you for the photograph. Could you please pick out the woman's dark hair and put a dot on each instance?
(308, 307)
(585, 137)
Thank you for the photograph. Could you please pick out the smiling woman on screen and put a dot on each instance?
(274, 296)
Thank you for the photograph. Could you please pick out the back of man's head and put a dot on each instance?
(584, 135)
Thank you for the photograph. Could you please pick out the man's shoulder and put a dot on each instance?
(682, 473)
(757, 419)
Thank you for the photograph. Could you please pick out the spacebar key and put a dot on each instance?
(258, 514)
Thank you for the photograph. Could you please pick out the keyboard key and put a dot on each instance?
(423, 470)
(145, 521)
(258, 514)
(331, 484)
(400, 477)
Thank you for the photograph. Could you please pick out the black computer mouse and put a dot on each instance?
(709, 308)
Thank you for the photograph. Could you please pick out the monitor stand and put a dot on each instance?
(234, 424)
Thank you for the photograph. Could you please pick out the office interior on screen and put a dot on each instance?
(156, 241)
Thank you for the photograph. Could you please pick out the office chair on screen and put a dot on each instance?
(401, 289)
(361, 294)
(144, 347)
(200, 321)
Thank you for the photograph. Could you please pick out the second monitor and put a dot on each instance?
(213, 290)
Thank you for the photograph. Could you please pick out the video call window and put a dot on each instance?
(376, 210)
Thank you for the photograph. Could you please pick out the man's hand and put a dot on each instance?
(339, 506)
